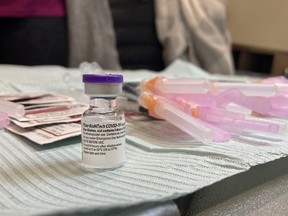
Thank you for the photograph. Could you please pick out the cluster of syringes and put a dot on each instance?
(212, 111)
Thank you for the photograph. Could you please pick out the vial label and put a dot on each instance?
(103, 145)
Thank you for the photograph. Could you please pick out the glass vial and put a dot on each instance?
(103, 124)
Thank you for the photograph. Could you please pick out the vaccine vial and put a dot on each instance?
(103, 124)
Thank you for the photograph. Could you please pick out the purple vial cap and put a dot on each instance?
(102, 78)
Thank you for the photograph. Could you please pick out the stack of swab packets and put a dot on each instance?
(42, 117)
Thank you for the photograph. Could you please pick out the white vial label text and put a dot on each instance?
(103, 145)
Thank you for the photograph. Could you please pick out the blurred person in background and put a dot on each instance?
(33, 32)
(118, 34)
